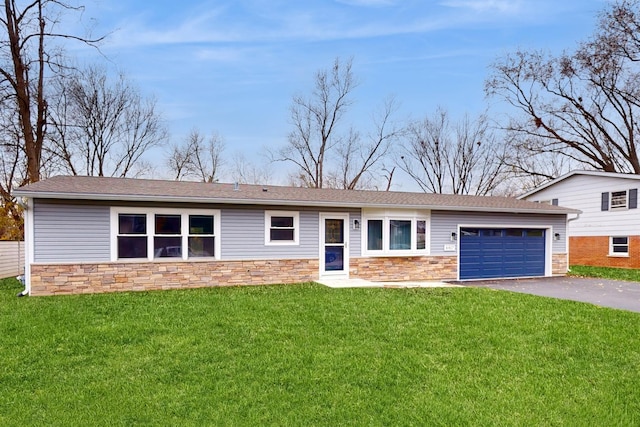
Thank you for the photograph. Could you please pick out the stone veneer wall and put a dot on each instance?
(60, 279)
(559, 264)
(405, 268)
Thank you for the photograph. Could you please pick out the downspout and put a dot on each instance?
(568, 221)
(25, 276)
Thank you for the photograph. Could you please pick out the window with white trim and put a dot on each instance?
(132, 235)
(281, 227)
(395, 233)
(618, 199)
(619, 246)
(143, 233)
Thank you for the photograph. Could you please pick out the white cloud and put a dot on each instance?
(368, 3)
(224, 24)
(483, 6)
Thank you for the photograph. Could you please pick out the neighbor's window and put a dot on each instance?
(281, 228)
(618, 199)
(394, 232)
(132, 235)
(619, 246)
(163, 233)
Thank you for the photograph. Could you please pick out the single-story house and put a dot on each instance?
(607, 231)
(96, 234)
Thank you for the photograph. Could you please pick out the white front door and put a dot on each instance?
(334, 247)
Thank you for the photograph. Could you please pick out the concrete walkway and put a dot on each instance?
(361, 283)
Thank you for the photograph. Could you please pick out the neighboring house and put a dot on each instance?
(93, 234)
(607, 232)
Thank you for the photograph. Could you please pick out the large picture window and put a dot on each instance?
(281, 227)
(395, 232)
(141, 233)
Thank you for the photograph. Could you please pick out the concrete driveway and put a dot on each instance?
(602, 292)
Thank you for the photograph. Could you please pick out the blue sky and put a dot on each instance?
(233, 65)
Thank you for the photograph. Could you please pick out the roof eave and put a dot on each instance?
(271, 202)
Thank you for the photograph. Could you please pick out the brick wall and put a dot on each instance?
(405, 268)
(594, 250)
(59, 279)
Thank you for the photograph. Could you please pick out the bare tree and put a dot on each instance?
(247, 172)
(27, 55)
(197, 157)
(325, 150)
(315, 122)
(459, 159)
(178, 159)
(12, 170)
(527, 171)
(102, 127)
(582, 105)
(359, 160)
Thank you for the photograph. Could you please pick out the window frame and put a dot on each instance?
(268, 214)
(184, 235)
(619, 206)
(386, 216)
(612, 245)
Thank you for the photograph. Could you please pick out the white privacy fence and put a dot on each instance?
(11, 259)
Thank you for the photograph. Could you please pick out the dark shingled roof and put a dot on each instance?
(102, 188)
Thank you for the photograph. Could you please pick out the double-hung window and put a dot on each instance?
(281, 228)
(142, 233)
(395, 233)
(132, 235)
(201, 236)
(167, 238)
(619, 246)
(618, 199)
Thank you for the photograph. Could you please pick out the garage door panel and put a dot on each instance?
(493, 253)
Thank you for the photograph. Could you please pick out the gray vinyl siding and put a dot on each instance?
(355, 236)
(445, 222)
(70, 232)
(243, 229)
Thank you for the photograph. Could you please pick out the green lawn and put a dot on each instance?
(629, 274)
(310, 355)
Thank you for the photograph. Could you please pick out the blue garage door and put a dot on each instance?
(498, 252)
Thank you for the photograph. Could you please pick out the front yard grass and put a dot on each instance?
(628, 274)
(309, 355)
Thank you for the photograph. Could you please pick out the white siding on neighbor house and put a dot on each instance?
(243, 234)
(443, 223)
(584, 192)
(70, 233)
(11, 259)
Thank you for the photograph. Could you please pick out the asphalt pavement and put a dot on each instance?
(602, 292)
